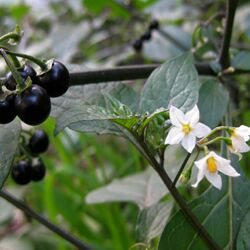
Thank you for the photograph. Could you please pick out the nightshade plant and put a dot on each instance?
(172, 108)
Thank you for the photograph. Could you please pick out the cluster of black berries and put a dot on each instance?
(146, 36)
(27, 170)
(33, 104)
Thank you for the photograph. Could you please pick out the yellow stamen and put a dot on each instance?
(211, 165)
(186, 128)
(233, 133)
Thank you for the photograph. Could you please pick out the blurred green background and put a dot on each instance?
(90, 35)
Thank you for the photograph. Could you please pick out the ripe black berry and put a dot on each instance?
(38, 171)
(10, 82)
(38, 142)
(21, 172)
(7, 109)
(154, 25)
(146, 36)
(55, 81)
(33, 105)
(137, 45)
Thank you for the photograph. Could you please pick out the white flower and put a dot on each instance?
(239, 137)
(210, 165)
(186, 128)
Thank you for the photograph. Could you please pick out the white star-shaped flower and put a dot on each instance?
(186, 127)
(239, 137)
(210, 165)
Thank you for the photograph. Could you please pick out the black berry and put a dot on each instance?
(146, 36)
(21, 172)
(33, 105)
(38, 142)
(154, 25)
(55, 81)
(7, 109)
(38, 171)
(137, 45)
(10, 82)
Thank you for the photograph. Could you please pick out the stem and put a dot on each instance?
(216, 15)
(181, 169)
(217, 129)
(37, 61)
(15, 73)
(219, 138)
(15, 61)
(173, 40)
(187, 174)
(123, 73)
(224, 58)
(27, 210)
(179, 199)
(11, 35)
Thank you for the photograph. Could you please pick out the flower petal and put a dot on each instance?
(193, 116)
(201, 165)
(214, 179)
(174, 136)
(239, 144)
(243, 131)
(188, 142)
(219, 159)
(201, 130)
(227, 169)
(177, 117)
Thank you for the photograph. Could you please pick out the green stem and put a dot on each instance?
(37, 61)
(179, 199)
(11, 35)
(219, 138)
(217, 129)
(181, 169)
(187, 174)
(15, 61)
(15, 73)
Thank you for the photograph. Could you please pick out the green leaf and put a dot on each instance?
(241, 60)
(141, 4)
(138, 122)
(93, 94)
(144, 189)
(152, 220)
(243, 240)
(88, 95)
(19, 11)
(220, 211)
(175, 82)
(80, 114)
(96, 8)
(9, 137)
(116, 106)
(213, 101)
(117, 9)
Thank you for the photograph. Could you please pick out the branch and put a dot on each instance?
(224, 58)
(181, 169)
(190, 216)
(27, 210)
(124, 73)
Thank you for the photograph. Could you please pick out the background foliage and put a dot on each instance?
(85, 169)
